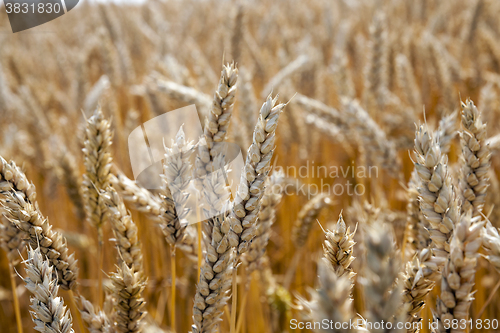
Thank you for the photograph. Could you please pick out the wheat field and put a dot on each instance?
(369, 188)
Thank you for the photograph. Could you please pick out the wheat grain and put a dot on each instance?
(48, 311)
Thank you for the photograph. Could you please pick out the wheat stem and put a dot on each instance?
(200, 236)
(488, 301)
(172, 296)
(100, 261)
(74, 309)
(241, 318)
(234, 301)
(15, 299)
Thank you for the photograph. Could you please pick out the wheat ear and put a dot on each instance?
(338, 249)
(215, 277)
(494, 143)
(378, 146)
(176, 176)
(438, 201)
(491, 243)
(182, 93)
(406, 81)
(381, 295)
(416, 287)
(96, 321)
(136, 196)
(48, 311)
(476, 159)
(124, 229)
(11, 240)
(257, 166)
(299, 64)
(267, 215)
(127, 287)
(376, 76)
(307, 217)
(217, 123)
(71, 179)
(437, 204)
(98, 162)
(21, 209)
(331, 301)
(459, 274)
(417, 224)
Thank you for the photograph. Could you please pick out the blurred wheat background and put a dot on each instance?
(357, 77)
